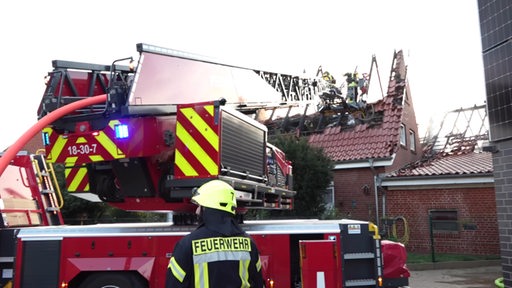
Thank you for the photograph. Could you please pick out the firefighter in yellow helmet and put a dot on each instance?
(218, 253)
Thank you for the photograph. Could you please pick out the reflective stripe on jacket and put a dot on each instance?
(206, 259)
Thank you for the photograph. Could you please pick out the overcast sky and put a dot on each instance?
(440, 39)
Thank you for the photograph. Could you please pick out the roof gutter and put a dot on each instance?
(441, 180)
(366, 163)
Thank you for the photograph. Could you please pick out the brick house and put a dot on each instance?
(361, 152)
(381, 173)
(449, 199)
(33, 145)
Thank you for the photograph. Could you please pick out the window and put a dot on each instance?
(329, 196)
(412, 140)
(444, 220)
(403, 140)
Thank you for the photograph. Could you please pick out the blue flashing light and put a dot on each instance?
(121, 131)
(46, 138)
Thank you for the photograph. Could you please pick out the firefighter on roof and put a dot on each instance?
(352, 87)
(218, 253)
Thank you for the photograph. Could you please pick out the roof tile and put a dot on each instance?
(449, 164)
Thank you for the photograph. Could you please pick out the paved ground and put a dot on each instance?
(477, 277)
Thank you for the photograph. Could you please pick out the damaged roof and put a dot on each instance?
(374, 139)
(449, 164)
(456, 149)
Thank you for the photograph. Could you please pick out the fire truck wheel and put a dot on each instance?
(113, 280)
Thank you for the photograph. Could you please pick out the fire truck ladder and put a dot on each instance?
(292, 88)
(48, 195)
(332, 107)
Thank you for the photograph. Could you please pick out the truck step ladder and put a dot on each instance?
(49, 190)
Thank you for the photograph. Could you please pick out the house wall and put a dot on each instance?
(497, 68)
(502, 162)
(473, 205)
(354, 193)
(357, 203)
(35, 144)
(404, 154)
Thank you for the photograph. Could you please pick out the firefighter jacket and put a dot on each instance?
(215, 255)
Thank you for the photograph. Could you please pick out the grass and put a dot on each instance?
(414, 258)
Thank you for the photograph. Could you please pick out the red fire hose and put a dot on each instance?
(43, 122)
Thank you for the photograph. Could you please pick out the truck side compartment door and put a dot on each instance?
(320, 264)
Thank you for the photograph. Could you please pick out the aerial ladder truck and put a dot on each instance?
(141, 137)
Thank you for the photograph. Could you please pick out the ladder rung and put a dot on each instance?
(52, 209)
(47, 191)
(360, 282)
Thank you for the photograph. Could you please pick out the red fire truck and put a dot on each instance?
(141, 138)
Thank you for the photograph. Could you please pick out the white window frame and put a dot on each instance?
(403, 138)
(329, 196)
(412, 140)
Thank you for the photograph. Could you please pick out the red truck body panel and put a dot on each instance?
(292, 252)
(320, 264)
(395, 257)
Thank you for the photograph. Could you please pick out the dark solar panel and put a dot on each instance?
(495, 22)
(496, 31)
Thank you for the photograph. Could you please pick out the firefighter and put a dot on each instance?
(352, 92)
(219, 253)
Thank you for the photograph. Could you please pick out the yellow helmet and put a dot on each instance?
(215, 194)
